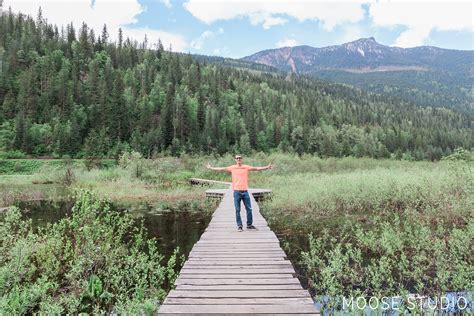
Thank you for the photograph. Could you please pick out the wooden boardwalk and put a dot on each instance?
(230, 272)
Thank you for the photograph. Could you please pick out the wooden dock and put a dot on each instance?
(230, 272)
(258, 194)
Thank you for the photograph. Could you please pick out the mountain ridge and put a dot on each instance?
(375, 67)
(363, 49)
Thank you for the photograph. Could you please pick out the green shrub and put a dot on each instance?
(96, 261)
(390, 257)
(12, 154)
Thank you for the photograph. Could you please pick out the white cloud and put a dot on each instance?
(421, 18)
(176, 41)
(266, 20)
(115, 14)
(287, 42)
(268, 12)
(198, 42)
(167, 3)
(413, 37)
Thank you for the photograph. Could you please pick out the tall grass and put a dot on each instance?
(310, 197)
(379, 228)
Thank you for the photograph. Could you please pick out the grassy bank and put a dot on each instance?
(30, 166)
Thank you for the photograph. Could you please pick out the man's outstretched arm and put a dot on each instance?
(216, 168)
(270, 166)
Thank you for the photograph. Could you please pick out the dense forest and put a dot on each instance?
(424, 88)
(73, 92)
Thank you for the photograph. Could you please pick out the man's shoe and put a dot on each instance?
(240, 229)
(251, 227)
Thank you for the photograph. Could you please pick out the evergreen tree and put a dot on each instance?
(100, 97)
(167, 130)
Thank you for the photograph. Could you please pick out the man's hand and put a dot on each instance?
(270, 166)
(216, 168)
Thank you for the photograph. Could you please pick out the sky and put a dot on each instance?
(238, 28)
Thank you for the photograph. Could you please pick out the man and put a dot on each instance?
(239, 173)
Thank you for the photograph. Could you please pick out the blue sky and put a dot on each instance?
(237, 28)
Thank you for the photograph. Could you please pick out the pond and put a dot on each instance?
(172, 228)
(20, 188)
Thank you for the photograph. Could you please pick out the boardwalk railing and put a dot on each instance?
(206, 181)
(230, 272)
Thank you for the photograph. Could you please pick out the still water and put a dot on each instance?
(172, 228)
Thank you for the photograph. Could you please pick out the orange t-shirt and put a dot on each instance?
(239, 176)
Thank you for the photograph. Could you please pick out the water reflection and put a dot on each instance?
(172, 228)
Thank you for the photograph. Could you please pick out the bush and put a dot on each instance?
(387, 257)
(96, 261)
(134, 163)
(12, 154)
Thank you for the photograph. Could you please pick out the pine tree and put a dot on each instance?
(167, 118)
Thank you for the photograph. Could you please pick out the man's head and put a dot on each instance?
(238, 159)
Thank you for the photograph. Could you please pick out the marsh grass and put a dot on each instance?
(378, 228)
(359, 193)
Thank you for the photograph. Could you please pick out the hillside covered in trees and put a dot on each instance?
(72, 92)
(424, 75)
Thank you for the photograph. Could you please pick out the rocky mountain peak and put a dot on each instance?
(364, 45)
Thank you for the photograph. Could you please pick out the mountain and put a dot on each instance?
(426, 75)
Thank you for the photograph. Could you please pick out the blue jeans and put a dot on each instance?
(244, 196)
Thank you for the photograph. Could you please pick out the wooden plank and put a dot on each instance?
(234, 276)
(238, 262)
(266, 241)
(236, 234)
(260, 268)
(237, 259)
(252, 252)
(242, 246)
(241, 256)
(228, 236)
(237, 309)
(236, 270)
(238, 301)
(235, 293)
(234, 287)
(254, 281)
(198, 180)
(232, 229)
(236, 251)
(233, 257)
